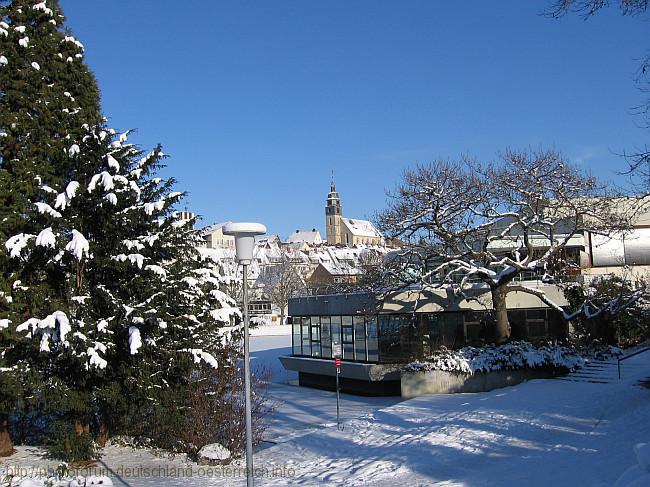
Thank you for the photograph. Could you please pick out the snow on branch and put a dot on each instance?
(78, 245)
(17, 243)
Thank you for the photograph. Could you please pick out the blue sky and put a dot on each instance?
(257, 102)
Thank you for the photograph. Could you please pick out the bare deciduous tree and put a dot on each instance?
(587, 8)
(467, 222)
(281, 282)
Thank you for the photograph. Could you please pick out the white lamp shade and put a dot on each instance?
(244, 234)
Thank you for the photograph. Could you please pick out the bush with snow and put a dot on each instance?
(213, 453)
(510, 356)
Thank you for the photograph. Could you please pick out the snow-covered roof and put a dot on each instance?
(270, 239)
(312, 237)
(517, 242)
(340, 269)
(211, 228)
(361, 228)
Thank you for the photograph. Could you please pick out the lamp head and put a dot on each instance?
(244, 234)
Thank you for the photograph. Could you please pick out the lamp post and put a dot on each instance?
(244, 234)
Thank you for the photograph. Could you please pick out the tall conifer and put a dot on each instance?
(104, 294)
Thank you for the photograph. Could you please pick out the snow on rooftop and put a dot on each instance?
(212, 228)
(340, 269)
(361, 228)
(312, 237)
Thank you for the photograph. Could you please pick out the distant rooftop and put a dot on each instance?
(361, 228)
(312, 237)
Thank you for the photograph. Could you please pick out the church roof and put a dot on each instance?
(312, 237)
(361, 228)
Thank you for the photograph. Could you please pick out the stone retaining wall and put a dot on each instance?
(414, 384)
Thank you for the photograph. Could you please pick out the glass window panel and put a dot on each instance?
(348, 351)
(359, 338)
(297, 345)
(325, 337)
(433, 326)
(390, 338)
(315, 349)
(373, 346)
(347, 334)
(536, 314)
(335, 329)
(315, 333)
(306, 343)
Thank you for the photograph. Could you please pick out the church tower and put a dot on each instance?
(333, 215)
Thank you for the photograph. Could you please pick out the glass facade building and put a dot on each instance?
(399, 338)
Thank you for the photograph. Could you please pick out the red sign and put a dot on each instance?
(337, 362)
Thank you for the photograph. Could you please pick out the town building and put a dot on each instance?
(213, 237)
(347, 231)
(328, 274)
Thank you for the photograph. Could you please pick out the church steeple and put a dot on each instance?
(333, 213)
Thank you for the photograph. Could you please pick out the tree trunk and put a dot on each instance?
(102, 436)
(281, 315)
(502, 331)
(81, 427)
(6, 446)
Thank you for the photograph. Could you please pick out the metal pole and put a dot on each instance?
(247, 385)
(338, 417)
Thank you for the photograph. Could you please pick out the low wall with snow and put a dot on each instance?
(416, 384)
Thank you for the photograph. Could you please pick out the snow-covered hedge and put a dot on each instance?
(510, 356)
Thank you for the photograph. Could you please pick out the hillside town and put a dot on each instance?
(351, 248)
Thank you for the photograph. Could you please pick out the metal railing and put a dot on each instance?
(645, 349)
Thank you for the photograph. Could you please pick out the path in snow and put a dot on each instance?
(540, 433)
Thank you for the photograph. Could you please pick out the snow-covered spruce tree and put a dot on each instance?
(134, 311)
(103, 293)
(45, 93)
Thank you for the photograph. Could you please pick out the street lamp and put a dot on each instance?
(244, 234)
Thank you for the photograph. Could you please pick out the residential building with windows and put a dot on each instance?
(214, 238)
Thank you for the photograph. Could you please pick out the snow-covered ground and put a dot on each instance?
(267, 344)
(540, 433)
(299, 410)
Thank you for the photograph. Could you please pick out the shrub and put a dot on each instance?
(208, 408)
(70, 446)
(510, 356)
(624, 320)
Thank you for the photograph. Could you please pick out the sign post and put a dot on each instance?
(337, 352)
